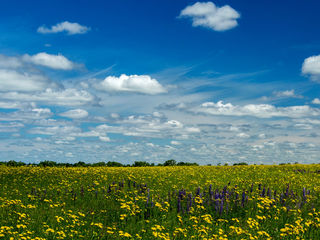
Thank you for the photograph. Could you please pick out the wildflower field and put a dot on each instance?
(198, 202)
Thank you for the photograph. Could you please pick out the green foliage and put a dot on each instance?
(98, 164)
(114, 164)
(240, 164)
(187, 164)
(140, 164)
(13, 163)
(47, 164)
(170, 162)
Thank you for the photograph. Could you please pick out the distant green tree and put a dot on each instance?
(140, 164)
(114, 164)
(80, 164)
(98, 164)
(47, 164)
(13, 163)
(170, 162)
(187, 164)
(240, 163)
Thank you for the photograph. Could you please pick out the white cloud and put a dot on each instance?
(287, 94)
(99, 131)
(114, 115)
(14, 105)
(104, 139)
(69, 133)
(151, 126)
(69, 154)
(193, 130)
(10, 127)
(67, 97)
(70, 28)
(282, 94)
(55, 130)
(9, 62)
(207, 14)
(175, 143)
(29, 114)
(311, 66)
(50, 61)
(75, 113)
(174, 124)
(256, 110)
(316, 101)
(243, 135)
(133, 83)
(11, 80)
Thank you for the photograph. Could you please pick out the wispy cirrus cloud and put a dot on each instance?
(207, 14)
(68, 27)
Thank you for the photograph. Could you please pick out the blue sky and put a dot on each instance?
(206, 82)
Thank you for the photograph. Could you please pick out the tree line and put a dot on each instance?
(46, 163)
(170, 162)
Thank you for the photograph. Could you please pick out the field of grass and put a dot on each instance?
(200, 202)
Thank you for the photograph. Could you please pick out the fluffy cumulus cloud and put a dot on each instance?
(207, 14)
(132, 83)
(67, 97)
(75, 114)
(12, 80)
(50, 61)
(311, 67)
(316, 101)
(70, 28)
(256, 110)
